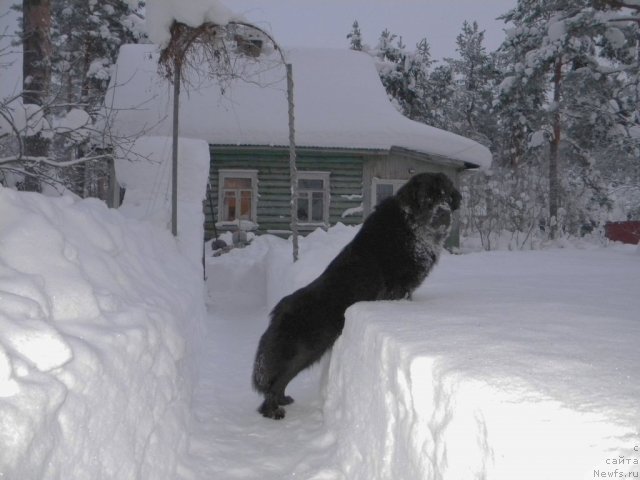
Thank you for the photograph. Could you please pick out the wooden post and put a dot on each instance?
(174, 153)
(293, 171)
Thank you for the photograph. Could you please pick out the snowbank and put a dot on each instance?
(95, 334)
(507, 365)
(264, 272)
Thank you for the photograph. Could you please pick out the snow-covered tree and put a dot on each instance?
(404, 73)
(355, 37)
(437, 98)
(417, 66)
(87, 37)
(570, 58)
(557, 103)
(69, 48)
(475, 78)
(390, 57)
(36, 75)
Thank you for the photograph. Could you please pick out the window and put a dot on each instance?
(384, 187)
(313, 198)
(237, 195)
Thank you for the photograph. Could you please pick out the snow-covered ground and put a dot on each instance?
(505, 365)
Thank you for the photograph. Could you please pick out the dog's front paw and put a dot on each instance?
(269, 410)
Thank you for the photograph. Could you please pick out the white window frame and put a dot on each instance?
(326, 198)
(237, 173)
(396, 183)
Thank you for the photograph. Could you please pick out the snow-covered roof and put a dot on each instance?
(339, 103)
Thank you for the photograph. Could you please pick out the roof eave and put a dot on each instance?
(434, 158)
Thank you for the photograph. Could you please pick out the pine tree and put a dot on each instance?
(417, 67)
(404, 74)
(355, 37)
(438, 97)
(475, 79)
(390, 57)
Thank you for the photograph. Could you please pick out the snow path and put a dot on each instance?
(229, 438)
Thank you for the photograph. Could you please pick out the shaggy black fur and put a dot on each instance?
(388, 259)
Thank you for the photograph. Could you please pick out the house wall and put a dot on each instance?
(350, 171)
(272, 164)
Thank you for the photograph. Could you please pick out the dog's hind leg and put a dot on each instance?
(275, 397)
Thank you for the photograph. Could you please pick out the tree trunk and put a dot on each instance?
(554, 182)
(36, 74)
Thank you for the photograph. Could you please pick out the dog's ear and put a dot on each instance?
(419, 193)
(405, 193)
(411, 194)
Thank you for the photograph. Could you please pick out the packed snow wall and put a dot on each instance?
(98, 315)
(491, 374)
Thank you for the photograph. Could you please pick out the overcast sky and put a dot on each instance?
(327, 22)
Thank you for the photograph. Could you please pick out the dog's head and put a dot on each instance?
(429, 198)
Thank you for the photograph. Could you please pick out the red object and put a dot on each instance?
(625, 232)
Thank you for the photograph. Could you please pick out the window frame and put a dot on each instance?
(224, 174)
(396, 183)
(326, 195)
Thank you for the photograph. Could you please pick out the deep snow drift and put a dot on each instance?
(98, 315)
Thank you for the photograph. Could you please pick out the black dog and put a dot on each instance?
(388, 259)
